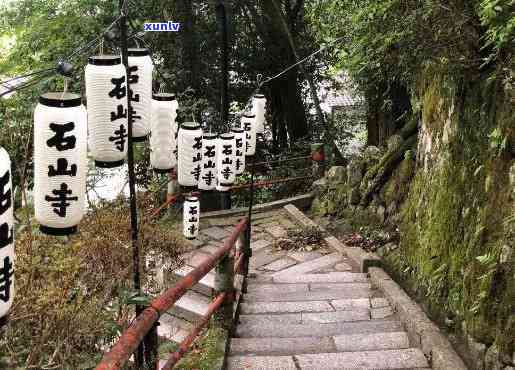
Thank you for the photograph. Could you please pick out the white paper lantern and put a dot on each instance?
(225, 166)
(248, 123)
(191, 216)
(189, 153)
(175, 129)
(239, 149)
(207, 180)
(140, 92)
(259, 109)
(6, 235)
(106, 94)
(60, 162)
(162, 137)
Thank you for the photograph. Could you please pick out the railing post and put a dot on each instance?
(224, 282)
(151, 343)
(172, 189)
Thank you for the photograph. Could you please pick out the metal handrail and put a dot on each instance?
(135, 334)
(261, 184)
(188, 341)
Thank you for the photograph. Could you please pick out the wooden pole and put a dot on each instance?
(124, 9)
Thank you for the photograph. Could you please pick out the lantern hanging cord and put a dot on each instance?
(323, 48)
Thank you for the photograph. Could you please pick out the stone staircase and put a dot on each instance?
(314, 310)
(302, 309)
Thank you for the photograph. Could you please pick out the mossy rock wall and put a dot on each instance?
(457, 225)
(452, 198)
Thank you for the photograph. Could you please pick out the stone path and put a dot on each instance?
(314, 310)
(302, 309)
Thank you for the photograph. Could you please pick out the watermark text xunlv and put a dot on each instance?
(162, 26)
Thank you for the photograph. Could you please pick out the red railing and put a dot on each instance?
(129, 341)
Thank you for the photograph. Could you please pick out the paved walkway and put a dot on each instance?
(313, 310)
(302, 310)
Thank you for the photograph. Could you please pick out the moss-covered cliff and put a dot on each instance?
(456, 214)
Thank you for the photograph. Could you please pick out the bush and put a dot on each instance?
(74, 294)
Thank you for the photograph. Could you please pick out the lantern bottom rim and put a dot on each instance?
(103, 164)
(192, 238)
(4, 320)
(139, 139)
(161, 171)
(58, 231)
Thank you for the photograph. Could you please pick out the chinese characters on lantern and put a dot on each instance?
(60, 162)
(61, 197)
(191, 214)
(6, 235)
(207, 179)
(239, 149)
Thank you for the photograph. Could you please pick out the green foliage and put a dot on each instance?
(453, 227)
(74, 296)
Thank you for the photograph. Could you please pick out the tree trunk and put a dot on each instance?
(189, 46)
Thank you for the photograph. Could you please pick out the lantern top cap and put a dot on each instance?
(237, 129)
(192, 198)
(163, 96)
(190, 125)
(60, 100)
(105, 60)
(249, 115)
(138, 52)
(227, 136)
(210, 135)
(259, 96)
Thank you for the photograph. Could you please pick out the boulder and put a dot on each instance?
(337, 174)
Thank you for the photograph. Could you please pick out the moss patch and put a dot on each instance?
(454, 221)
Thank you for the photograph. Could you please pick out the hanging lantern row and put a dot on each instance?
(62, 124)
(6, 235)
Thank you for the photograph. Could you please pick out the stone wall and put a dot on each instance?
(451, 194)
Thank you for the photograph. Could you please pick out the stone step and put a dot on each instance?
(410, 358)
(371, 342)
(173, 328)
(310, 266)
(287, 330)
(305, 306)
(264, 257)
(304, 318)
(260, 363)
(280, 346)
(306, 345)
(204, 286)
(330, 277)
(321, 295)
(285, 307)
(253, 288)
(191, 306)
(388, 359)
